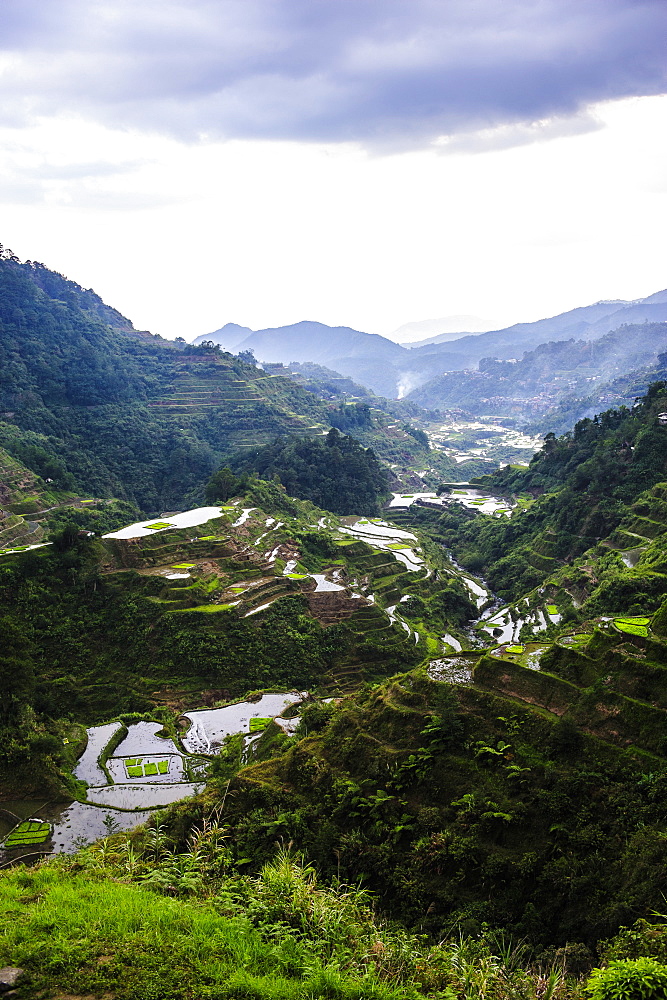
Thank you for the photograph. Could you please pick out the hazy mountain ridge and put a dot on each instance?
(571, 321)
(622, 391)
(366, 357)
(395, 370)
(534, 385)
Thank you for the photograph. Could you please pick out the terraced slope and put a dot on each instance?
(256, 407)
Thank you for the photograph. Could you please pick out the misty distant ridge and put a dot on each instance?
(392, 369)
(448, 327)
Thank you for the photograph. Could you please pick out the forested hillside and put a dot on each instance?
(582, 484)
(531, 387)
(97, 408)
(334, 472)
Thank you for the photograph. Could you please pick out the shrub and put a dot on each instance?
(631, 979)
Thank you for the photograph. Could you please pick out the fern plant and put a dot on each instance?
(629, 979)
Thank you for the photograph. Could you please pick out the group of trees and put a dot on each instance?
(332, 471)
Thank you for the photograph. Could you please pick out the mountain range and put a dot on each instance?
(532, 387)
(394, 370)
(94, 406)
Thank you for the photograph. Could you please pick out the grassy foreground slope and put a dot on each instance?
(139, 921)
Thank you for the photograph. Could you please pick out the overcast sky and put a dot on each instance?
(360, 162)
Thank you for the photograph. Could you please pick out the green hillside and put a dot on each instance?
(102, 410)
(576, 491)
(462, 791)
(542, 380)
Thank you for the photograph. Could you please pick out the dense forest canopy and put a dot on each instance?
(333, 472)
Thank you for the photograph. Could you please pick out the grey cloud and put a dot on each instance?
(385, 73)
(519, 134)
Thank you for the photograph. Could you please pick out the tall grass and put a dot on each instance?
(149, 924)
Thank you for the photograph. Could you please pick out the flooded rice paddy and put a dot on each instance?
(382, 535)
(186, 519)
(469, 497)
(145, 771)
(209, 727)
(632, 556)
(73, 825)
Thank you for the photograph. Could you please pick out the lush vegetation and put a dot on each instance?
(493, 833)
(582, 484)
(333, 472)
(141, 919)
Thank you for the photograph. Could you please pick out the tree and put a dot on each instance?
(248, 357)
(223, 484)
(17, 670)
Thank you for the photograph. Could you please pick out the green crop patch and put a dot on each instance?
(259, 723)
(139, 767)
(397, 545)
(31, 831)
(552, 609)
(633, 626)
(209, 609)
(514, 649)
(160, 524)
(296, 576)
(183, 565)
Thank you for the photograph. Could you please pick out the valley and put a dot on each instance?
(270, 638)
(487, 440)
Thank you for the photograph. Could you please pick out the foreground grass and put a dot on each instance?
(128, 922)
(87, 933)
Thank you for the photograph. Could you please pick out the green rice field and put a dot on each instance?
(259, 723)
(633, 626)
(31, 831)
(135, 767)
